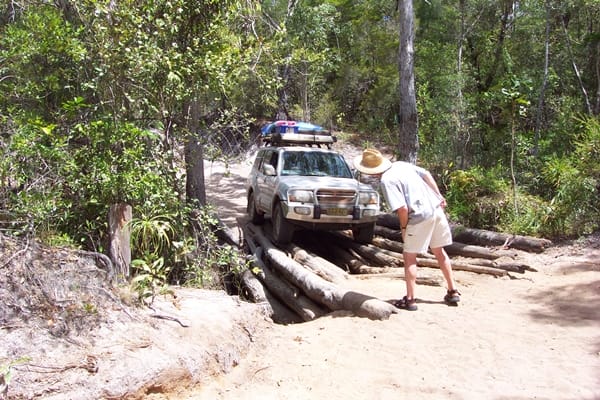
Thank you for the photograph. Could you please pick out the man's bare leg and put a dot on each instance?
(444, 263)
(410, 274)
(452, 296)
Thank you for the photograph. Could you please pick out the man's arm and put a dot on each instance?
(428, 178)
(403, 218)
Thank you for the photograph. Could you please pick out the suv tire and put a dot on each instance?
(363, 233)
(255, 216)
(283, 231)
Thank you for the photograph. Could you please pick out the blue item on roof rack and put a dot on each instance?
(296, 132)
(290, 127)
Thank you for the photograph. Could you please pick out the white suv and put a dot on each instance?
(311, 188)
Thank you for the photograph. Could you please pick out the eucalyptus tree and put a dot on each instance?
(408, 139)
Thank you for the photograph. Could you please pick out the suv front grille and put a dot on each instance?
(336, 198)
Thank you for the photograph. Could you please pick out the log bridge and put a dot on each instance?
(306, 279)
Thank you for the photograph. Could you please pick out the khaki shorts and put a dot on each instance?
(434, 232)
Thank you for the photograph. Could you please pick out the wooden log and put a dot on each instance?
(290, 295)
(490, 238)
(472, 236)
(388, 245)
(355, 264)
(252, 289)
(320, 266)
(388, 220)
(278, 311)
(320, 290)
(302, 307)
(428, 260)
(373, 254)
(359, 268)
(466, 250)
(388, 233)
(225, 233)
(391, 239)
(514, 267)
(507, 266)
(421, 280)
(459, 266)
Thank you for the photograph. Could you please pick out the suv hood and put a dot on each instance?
(317, 182)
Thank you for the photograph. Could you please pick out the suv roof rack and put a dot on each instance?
(290, 133)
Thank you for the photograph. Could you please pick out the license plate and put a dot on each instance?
(337, 211)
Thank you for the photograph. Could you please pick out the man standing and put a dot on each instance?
(411, 193)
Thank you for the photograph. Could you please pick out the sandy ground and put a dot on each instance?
(534, 337)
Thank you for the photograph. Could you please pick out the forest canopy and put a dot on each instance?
(111, 102)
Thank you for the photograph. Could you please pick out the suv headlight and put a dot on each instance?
(368, 198)
(301, 196)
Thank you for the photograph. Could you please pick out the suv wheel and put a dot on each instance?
(255, 216)
(363, 233)
(282, 229)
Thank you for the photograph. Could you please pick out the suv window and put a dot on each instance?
(308, 163)
(263, 157)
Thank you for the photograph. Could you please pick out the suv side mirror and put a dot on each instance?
(269, 170)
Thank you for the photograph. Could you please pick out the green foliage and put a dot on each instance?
(575, 181)
(42, 55)
(151, 234)
(166, 251)
(523, 216)
(32, 162)
(477, 197)
(211, 262)
(485, 199)
(150, 279)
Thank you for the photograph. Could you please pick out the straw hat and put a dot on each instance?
(372, 162)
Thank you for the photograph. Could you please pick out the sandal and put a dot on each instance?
(452, 296)
(406, 304)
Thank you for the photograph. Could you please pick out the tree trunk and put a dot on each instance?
(120, 238)
(195, 188)
(540, 107)
(462, 131)
(194, 167)
(408, 140)
(586, 99)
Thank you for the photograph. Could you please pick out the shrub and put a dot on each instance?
(476, 197)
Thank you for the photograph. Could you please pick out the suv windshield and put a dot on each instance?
(308, 163)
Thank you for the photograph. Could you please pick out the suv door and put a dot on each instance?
(265, 183)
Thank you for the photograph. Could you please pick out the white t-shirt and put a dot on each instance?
(403, 186)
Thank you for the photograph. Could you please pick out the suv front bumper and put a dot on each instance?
(355, 215)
